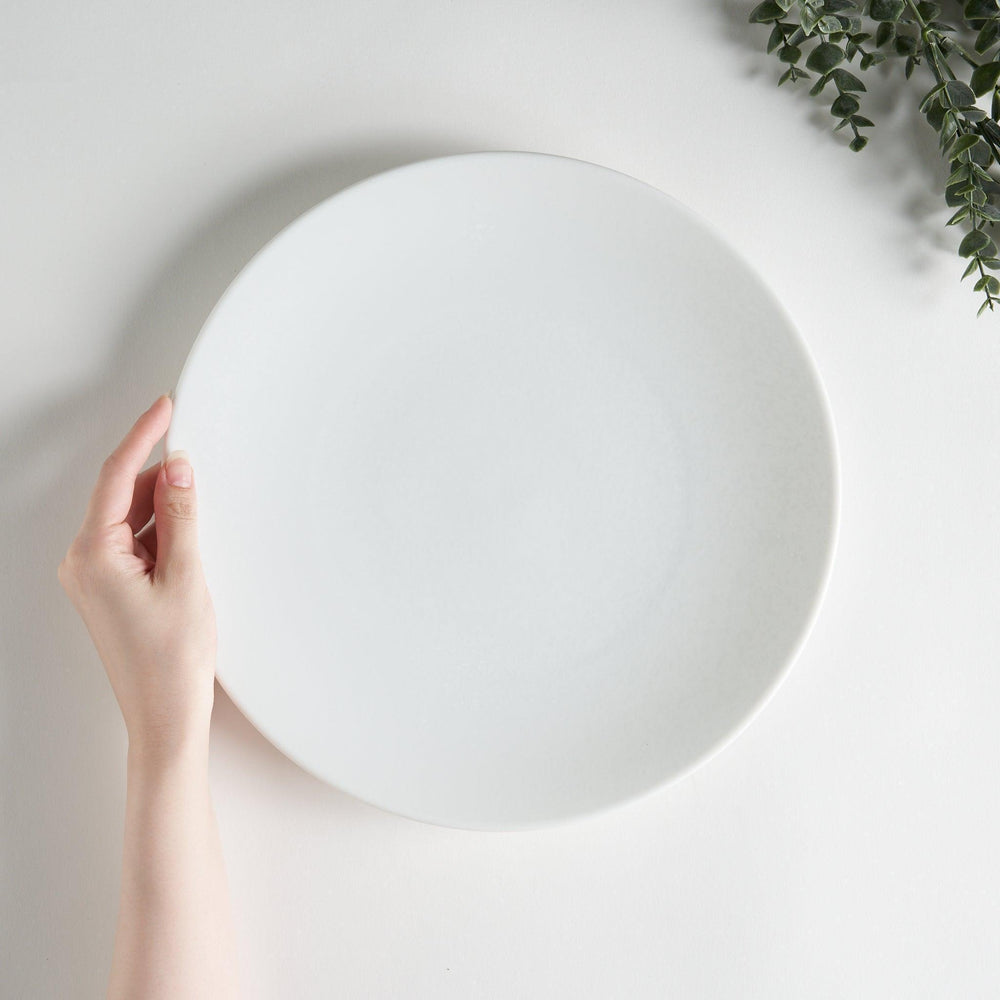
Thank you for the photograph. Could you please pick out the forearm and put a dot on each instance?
(174, 935)
(134, 573)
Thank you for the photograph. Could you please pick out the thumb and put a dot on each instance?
(175, 506)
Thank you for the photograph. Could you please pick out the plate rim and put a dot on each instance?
(756, 707)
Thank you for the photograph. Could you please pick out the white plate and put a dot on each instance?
(518, 489)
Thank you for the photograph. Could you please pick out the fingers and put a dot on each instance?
(111, 500)
(142, 499)
(176, 513)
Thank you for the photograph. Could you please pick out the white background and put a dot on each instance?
(847, 844)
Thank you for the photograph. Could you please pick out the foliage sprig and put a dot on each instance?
(815, 38)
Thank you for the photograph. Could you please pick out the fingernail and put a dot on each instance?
(179, 472)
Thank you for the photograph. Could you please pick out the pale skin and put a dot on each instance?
(134, 574)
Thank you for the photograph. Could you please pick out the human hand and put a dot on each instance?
(140, 589)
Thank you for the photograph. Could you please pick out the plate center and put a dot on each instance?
(521, 487)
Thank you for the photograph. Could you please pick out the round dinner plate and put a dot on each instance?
(517, 489)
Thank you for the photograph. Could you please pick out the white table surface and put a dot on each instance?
(847, 844)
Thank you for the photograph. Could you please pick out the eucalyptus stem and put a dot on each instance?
(963, 53)
(826, 34)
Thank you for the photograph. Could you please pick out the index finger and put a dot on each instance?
(112, 496)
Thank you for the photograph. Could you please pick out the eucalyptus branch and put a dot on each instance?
(837, 31)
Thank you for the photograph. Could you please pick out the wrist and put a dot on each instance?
(175, 729)
(151, 751)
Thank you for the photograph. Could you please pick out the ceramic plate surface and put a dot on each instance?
(518, 489)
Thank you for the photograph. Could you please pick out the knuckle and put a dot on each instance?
(81, 565)
(72, 569)
(180, 508)
(73, 560)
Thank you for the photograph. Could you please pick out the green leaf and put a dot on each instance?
(973, 114)
(776, 38)
(885, 33)
(984, 78)
(995, 105)
(858, 143)
(962, 144)
(846, 80)
(975, 243)
(906, 45)
(859, 121)
(929, 11)
(949, 128)
(930, 97)
(988, 303)
(960, 175)
(988, 283)
(971, 269)
(828, 25)
(785, 77)
(952, 198)
(935, 116)
(844, 106)
(809, 17)
(870, 59)
(765, 13)
(960, 94)
(969, 149)
(908, 68)
(976, 10)
(960, 216)
(990, 212)
(818, 86)
(988, 36)
(886, 10)
(991, 262)
(981, 153)
(824, 57)
(790, 54)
